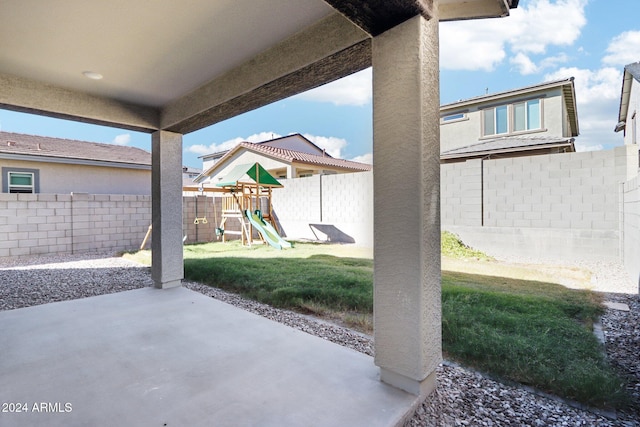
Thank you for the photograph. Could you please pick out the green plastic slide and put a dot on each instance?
(266, 230)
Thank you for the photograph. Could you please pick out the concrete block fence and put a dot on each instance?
(567, 206)
(631, 228)
(68, 223)
(557, 205)
(336, 208)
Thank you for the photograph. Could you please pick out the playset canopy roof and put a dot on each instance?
(252, 173)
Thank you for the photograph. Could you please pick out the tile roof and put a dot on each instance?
(507, 144)
(300, 157)
(43, 146)
(293, 156)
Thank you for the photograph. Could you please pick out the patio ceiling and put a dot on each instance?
(181, 66)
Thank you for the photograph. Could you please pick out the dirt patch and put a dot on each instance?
(570, 277)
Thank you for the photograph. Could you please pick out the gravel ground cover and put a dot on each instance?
(462, 397)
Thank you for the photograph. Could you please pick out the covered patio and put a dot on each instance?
(165, 356)
(180, 358)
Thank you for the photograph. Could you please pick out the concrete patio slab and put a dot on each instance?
(174, 357)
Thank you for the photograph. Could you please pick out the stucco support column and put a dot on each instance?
(406, 154)
(167, 269)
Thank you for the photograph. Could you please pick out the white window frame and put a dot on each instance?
(12, 187)
(5, 178)
(495, 121)
(511, 118)
(526, 115)
(452, 118)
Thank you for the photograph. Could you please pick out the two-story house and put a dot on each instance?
(538, 119)
(630, 104)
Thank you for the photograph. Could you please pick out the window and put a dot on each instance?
(20, 180)
(496, 120)
(518, 117)
(526, 115)
(454, 117)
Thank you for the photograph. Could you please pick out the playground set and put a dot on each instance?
(246, 198)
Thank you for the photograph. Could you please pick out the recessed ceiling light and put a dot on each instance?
(92, 75)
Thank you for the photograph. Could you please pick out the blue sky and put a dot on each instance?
(590, 40)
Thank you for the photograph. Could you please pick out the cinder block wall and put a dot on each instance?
(558, 205)
(347, 204)
(461, 193)
(338, 208)
(631, 229)
(297, 205)
(66, 223)
(200, 207)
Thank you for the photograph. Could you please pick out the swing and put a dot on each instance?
(219, 230)
(197, 219)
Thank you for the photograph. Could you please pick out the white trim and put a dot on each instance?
(10, 186)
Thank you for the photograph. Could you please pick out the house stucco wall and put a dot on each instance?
(461, 133)
(247, 157)
(61, 178)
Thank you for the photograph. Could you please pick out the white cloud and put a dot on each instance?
(333, 145)
(123, 139)
(524, 64)
(484, 44)
(365, 158)
(623, 49)
(601, 85)
(230, 143)
(351, 90)
(597, 98)
(471, 45)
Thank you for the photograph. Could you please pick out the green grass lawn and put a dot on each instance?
(535, 333)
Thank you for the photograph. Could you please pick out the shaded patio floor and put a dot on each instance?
(175, 357)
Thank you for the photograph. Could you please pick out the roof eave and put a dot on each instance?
(508, 93)
(298, 163)
(625, 94)
(73, 161)
(568, 143)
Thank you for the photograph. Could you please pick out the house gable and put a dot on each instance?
(228, 163)
(295, 142)
(630, 104)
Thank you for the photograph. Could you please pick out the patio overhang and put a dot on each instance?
(180, 68)
(170, 68)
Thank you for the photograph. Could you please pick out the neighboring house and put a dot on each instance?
(189, 173)
(291, 156)
(189, 186)
(630, 104)
(39, 164)
(539, 119)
